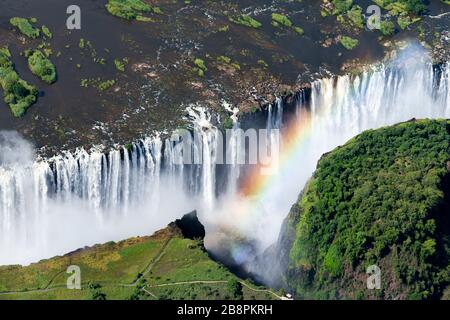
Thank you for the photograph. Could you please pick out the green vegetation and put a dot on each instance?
(163, 266)
(246, 20)
(381, 199)
(120, 64)
(95, 291)
(346, 13)
(200, 67)
(235, 287)
(279, 20)
(81, 43)
(348, 43)
(105, 85)
(224, 60)
(342, 6)
(46, 32)
(225, 28)
(228, 123)
(98, 83)
(405, 21)
(263, 64)
(17, 93)
(387, 28)
(25, 27)
(403, 7)
(130, 9)
(41, 66)
(356, 17)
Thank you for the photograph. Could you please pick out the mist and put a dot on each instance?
(76, 199)
(339, 109)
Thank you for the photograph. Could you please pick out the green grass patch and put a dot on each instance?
(120, 270)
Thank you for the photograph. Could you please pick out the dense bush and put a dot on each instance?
(127, 9)
(46, 31)
(398, 7)
(25, 27)
(387, 28)
(247, 21)
(279, 20)
(342, 6)
(17, 93)
(380, 199)
(41, 66)
(348, 42)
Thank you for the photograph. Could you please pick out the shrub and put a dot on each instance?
(247, 21)
(25, 27)
(356, 17)
(342, 6)
(200, 66)
(46, 32)
(387, 28)
(127, 9)
(96, 293)
(281, 19)
(235, 288)
(120, 64)
(348, 43)
(41, 66)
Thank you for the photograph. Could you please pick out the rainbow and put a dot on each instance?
(294, 136)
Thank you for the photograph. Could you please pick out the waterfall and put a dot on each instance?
(109, 186)
(83, 197)
(325, 116)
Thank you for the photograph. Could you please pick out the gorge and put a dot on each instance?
(50, 206)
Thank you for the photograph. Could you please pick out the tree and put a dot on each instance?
(95, 291)
(235, 287)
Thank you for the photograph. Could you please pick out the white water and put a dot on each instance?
(339, 108)
(85, 197)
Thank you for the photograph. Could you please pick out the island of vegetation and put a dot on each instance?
(17, 93)
(41, 66)
(26, 27)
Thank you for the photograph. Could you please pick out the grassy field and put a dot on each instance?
(163, 266)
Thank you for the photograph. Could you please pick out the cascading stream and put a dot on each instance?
(84, 197)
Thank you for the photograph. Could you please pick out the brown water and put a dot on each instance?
(154, 97)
